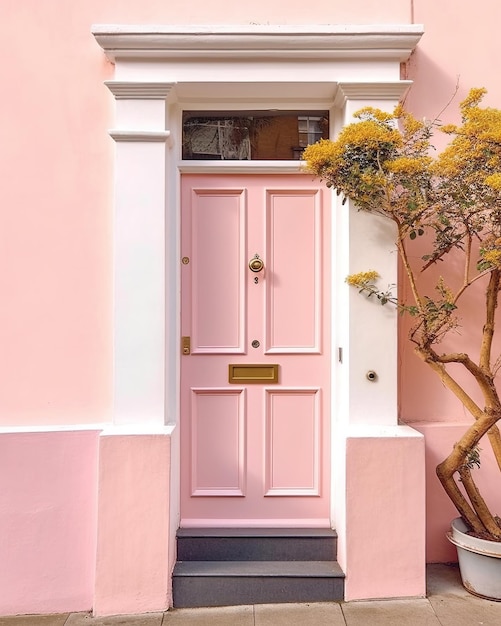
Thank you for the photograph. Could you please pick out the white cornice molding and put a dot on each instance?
(126, 430)
(392, 90)
(242, 167)
(144, 136)
(129, 90)
(394, 41)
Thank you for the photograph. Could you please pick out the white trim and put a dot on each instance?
(361, 431)
(393, 41)
(137, 429)
(125, 90)
(103, 429)
(255, 523)
(385, 90)
(160, 70)
(57, 428)
(145, 136)
(243, 167)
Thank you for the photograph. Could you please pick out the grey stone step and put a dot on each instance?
(256, 544)
(225, 583)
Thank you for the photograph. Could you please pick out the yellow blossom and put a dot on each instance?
(407, 165)
(493, 257)
(494, 181)
(362, 278)
(373, 113)
(473, 98)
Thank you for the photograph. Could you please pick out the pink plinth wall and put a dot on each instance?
(440, 439)
(132, 565)
(47, 521)
(385, 517)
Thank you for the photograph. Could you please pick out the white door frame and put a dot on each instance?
(160, 70)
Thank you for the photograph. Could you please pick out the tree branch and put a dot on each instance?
(439, 368)
(491, 302)
(463, 507)
(478, 503)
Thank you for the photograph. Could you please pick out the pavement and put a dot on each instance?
(447, 604)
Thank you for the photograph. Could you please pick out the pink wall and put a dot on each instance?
(56, 274)
(459, 45)
(56, 190)
(55, 218)
(384, 550)
(53, 500)
(47, 521)
(132, 564)
(440, 439)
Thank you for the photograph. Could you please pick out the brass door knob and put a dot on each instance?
(256, 263)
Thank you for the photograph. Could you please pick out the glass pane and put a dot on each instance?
(251, 135)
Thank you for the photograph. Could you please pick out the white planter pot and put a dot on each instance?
(479, 561)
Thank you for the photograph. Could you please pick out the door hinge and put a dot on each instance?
(186, 345)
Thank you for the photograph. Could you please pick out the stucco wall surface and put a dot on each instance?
(56, 191)
(385, 511)
(48, 509)
(456, 51)
(56, 215)
(132, 562)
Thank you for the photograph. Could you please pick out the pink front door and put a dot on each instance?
(255, 440)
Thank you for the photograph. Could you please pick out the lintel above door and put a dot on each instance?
(338, 41)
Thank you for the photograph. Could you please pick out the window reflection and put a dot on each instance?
(249, 135)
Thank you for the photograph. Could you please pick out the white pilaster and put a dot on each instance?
(366, 431)
(140, 206)
(366, 331)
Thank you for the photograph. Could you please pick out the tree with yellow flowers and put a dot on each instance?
(384, 163)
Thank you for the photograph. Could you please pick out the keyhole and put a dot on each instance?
(256, 279)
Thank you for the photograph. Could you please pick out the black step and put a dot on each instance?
(234, 566)
(256, 544)
(225, 583)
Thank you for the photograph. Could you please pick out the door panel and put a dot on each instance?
(218, 442)
(293, 430)
(255, 453)
(294, 260)
(218, 288)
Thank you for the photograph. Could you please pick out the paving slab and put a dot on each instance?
(453, 605)
(213, 616)
(35, 620)
(415, 612)
(306, 614)
(444, 578)
(86, 619)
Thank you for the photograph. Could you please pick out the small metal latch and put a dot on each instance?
(186, 345)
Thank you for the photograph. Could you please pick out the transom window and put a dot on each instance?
(251, 135)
